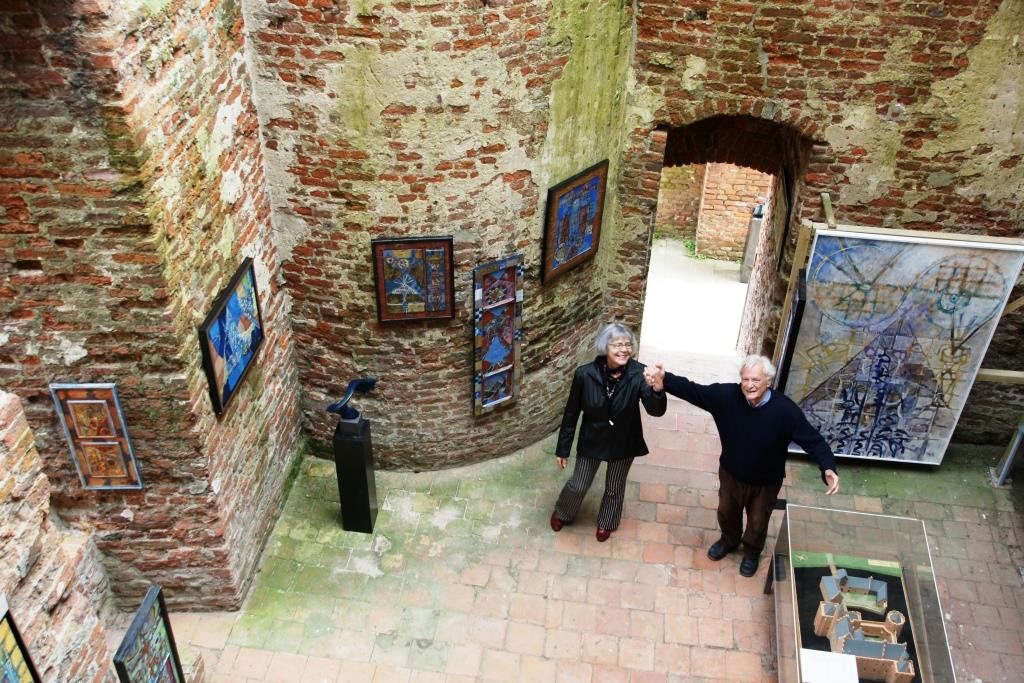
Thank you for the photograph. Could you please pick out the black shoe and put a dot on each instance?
(719, 550)
(748, 566)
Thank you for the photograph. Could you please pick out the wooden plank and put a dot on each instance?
(1000, 376)
(803, 247)
(826, 205)
(1013, 306)
(926, 234)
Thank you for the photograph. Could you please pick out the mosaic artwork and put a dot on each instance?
(892, 336)
(498, 332)
(147, 653)
(231, 336)
(95, 430)
(572, 224)
(414, 278)
(15, 664)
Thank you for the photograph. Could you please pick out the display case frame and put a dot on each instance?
(815, 543)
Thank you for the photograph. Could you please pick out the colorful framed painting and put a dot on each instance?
(572, 221)
(415, 278)
(147, 653)
(893, 333)
(15, 663)
(97, 435)
(231, 336)
(498, 333)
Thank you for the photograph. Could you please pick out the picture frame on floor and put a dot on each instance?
(414, 278)
(15, 662)
(572, 221)
(148, 653)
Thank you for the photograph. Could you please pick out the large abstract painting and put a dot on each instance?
(414, 277)
(147, 653)
(231, 336)
(95, 429)
(498, 332)
(572, 222)
(892, 336)
(15, 664)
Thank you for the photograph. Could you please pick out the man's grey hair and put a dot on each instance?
(766, 364)
(612, 331)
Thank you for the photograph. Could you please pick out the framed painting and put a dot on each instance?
(792, 324)
(97, 435)
(572, 221)
(893, 333)
(231, 336)
(497, 333)
(15, 663)
(414, 278)
(147, 653)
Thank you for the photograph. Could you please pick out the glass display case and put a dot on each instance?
(855, 600)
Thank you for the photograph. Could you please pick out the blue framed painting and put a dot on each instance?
(572, 221)
(498, 333)
(147, 653)
(414, 278)
(231, 336)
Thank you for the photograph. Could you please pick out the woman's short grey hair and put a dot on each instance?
(612, 331)
(766, 364)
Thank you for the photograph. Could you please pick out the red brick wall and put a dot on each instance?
(679, 197)
(730, 194)
(50, 577)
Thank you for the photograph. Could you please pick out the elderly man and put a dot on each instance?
(756, 426)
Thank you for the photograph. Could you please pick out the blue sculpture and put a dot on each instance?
(362, 385)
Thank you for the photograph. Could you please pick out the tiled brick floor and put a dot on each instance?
(464, 581)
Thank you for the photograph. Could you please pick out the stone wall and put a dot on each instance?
(50, 575)
(131, 184)
(679, 196)
(730, 194)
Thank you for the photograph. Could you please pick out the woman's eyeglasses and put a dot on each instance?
(623, 346)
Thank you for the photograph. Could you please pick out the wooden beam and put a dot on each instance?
(803, 247)
(1000, 376)
(826, 205)
(1013, 306)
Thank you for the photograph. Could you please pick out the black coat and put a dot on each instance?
(611, 428)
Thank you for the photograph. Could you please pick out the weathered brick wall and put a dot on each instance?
(397, 119)
(730, 194)
(679, 196)
(49, 574)
(131, 187)
(913, 108)
(764, 286)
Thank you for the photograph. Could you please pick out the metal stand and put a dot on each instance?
(1000, 474)
(353, 461)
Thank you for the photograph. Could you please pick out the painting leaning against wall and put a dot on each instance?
(893, 334)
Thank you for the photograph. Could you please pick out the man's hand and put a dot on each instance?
(562, 462)
(655, 377)
(832, 480)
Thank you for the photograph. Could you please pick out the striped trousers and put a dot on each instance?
(575, 489)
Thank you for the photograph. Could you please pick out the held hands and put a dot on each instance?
(832, 480)
(655, 376)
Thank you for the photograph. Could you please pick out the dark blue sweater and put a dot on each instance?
(755, 441)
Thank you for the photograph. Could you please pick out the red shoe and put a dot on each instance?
(603, 534)
(556, 523)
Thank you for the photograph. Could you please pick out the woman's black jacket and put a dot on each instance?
(611, 428)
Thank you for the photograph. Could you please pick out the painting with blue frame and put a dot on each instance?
(893, 333)
(572, 221)
(414, 278)
(498, 333)
(231, 336)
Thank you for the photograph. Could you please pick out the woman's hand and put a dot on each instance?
(562, 462)
(655, 377)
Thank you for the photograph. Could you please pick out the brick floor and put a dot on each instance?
(464, 581)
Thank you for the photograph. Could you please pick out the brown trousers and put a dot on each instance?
(733, 498)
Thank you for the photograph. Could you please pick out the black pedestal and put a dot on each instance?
(353, 461)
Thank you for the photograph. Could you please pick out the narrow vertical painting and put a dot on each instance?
(97, 435)
(892, 337)
(572, 221)
(792, 324)
(498, 333)
(15, 663)
(414, 278)
(147, 653)
(231, 335)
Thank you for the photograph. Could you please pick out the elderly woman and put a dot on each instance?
(608, 392)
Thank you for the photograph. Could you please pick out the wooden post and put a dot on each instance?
(803, 246)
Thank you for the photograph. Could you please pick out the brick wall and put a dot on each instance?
(50, 575)
(679, 197)
(131, 186)
(730, 194)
